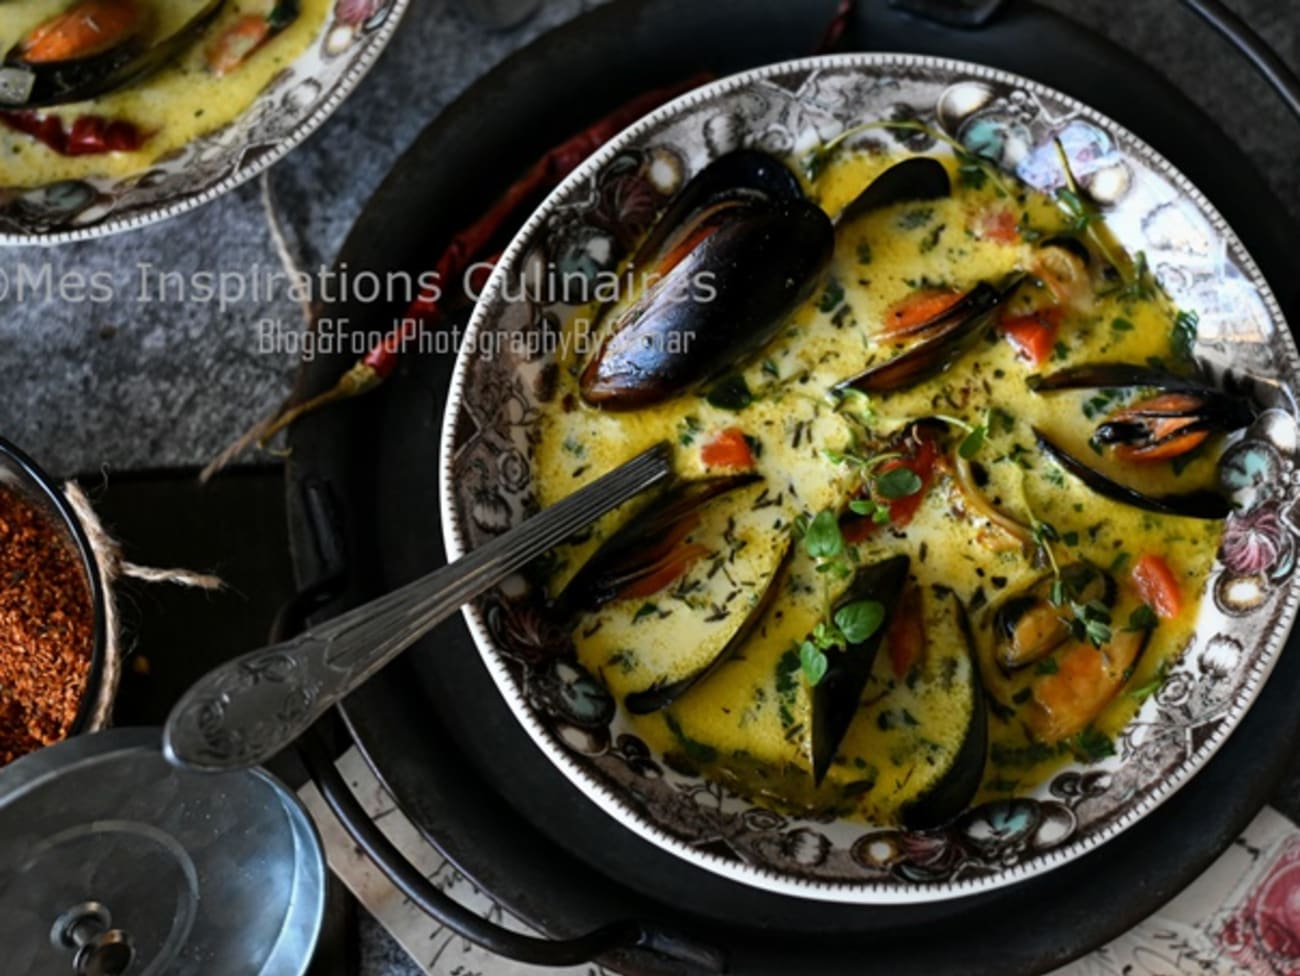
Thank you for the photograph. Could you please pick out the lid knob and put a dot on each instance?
(101, 950)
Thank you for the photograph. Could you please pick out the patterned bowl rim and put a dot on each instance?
(374, 46)
(611, 801)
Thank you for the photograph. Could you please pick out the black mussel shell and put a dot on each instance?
(633, 551)
(914, 179)
(1028, 626)
(948, 337)
(27, 85)
(836, 698)
(1202, 504)
(953, 792)
(745, 175)
(753, 265)
(1114, 376)
(668, 689)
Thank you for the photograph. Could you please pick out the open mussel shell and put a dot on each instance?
(1212, 409)
(914, 179)
(743, 175)
(25, 83)
(947, 338)
(1173, 422)
(721, 292)
(1028, 626)
(1201, 503)
(836, 698)
(1115, 376)
(636, 550)
(667, 688)
(953, 791)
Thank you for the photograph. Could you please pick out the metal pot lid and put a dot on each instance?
(115, 863)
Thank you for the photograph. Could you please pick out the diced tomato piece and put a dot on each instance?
(921, 463)
(672, 568)
(921, 457)
(918, 308)
(857, 528)
(998, 224)
(728, 449)
(905, 633)
(1033, 335)
(1157, 586)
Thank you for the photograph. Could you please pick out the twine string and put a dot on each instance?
(108, 551)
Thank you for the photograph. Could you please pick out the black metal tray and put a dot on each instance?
(362, 497)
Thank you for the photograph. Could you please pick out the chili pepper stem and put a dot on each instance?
(361, 378)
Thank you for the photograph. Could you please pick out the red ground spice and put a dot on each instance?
(46, 629)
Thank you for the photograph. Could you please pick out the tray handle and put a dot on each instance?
(686, 954)
(974, 14)
(619, 936)
(1279, 75)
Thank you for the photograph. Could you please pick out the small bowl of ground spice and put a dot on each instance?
(53, 633)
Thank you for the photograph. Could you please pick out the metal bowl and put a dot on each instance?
(20, 473)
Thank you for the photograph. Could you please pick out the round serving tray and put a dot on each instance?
(363, 480)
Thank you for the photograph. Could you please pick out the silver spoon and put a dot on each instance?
(245, 711)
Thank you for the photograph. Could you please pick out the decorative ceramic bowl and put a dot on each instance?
(285, 113)
(487, 478)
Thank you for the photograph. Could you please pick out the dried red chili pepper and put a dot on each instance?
(90, 135)
(835, 30)
(379, 363)
(465, 248)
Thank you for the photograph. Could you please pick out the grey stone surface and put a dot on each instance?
(136, 382)
(132, 383)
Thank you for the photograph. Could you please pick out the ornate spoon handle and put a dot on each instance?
(248, 709)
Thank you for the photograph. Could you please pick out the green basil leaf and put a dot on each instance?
(898, 483)
(859, 620)
(813, 662)
(972, 442)
(823, 539)
(730, 393)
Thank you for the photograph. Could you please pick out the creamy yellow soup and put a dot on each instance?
(748, 721)
(174, 106)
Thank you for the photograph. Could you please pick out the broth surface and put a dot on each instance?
(748, 721)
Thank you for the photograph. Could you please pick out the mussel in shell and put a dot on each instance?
(1200, 503)
(1030, 625)
(647, 545)
(1068, 698)
(914, 179)
(945, 338)
(667, 688)
(93, 48)
(737, 252)
(836, 698)
(1171, 423)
